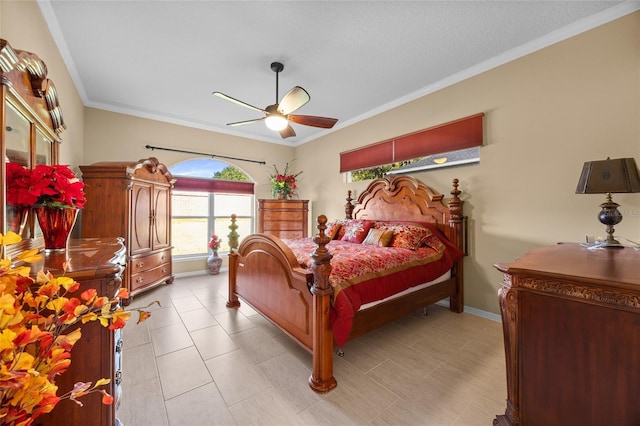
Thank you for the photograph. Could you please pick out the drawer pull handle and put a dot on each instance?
(140, 264)
(118, 377)
(139, 279)
(164, 270)
(163, 257)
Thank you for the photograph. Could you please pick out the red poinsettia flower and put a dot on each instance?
(51, 186)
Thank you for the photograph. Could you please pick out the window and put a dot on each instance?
(198, 215)
(453, 136)
(447, 159)
(202, 204)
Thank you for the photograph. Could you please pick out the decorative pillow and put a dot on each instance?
(333, 229)
(356, 230)
(435, 243)
(379, 237)
(406, 236)
(343, 228)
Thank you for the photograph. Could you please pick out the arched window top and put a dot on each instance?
(205, 168)
(210, 175)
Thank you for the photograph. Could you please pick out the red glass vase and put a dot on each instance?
(17, 218)
(56, 225)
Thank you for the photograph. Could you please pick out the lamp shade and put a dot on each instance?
(619, 175)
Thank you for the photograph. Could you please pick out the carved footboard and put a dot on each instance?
(264, 272)
(266, 275)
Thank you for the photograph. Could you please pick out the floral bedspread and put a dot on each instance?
(365, 273)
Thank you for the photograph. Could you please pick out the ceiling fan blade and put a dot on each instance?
(294, 99)
(312, 120)
(235, 101)
(287, 132)
(240, 123)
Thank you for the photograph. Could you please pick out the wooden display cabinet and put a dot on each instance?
(30, 127)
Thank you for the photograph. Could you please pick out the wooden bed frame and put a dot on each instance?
(264, 272)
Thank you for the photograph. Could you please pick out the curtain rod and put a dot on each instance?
(203, 153)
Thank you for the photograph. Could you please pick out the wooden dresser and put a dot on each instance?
(284, 218)
(94, 263)
(132, 200)
(571, 320)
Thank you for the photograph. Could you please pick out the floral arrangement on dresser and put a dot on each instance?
(283, 185)
(40, 322)
(53, 192)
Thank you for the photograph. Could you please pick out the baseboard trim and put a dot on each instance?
(474, 311)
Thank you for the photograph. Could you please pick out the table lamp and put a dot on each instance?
(619, 175)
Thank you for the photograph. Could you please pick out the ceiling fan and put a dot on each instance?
(278, 115)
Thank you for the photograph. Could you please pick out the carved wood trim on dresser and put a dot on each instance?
(571, 323)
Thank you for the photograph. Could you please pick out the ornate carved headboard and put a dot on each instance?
(406, 199)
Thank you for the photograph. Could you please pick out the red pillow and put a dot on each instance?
(333, 229)
(356, 231)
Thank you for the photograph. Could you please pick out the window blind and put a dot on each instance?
(452, 136)
(212, 185)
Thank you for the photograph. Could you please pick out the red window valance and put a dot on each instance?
(212, 185)
(452, 136)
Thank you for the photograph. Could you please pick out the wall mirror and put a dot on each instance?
(29, 135)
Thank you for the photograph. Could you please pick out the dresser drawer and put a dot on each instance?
(150, 277)
(283, 205)
(282, 226)
(143, 263)
(283, 215)
(290, 234)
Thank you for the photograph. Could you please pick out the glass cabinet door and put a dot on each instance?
(30, 122)
(43, 148)
(17, 132)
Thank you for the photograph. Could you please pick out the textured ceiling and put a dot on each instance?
(163, 59)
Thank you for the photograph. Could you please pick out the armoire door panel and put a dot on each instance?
(142, 218)
(160, 225)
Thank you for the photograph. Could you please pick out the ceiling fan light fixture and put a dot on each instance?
(276, 122)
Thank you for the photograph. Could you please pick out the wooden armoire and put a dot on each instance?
(132, 200)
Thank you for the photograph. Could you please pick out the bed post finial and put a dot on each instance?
(322, 379)
(233, 235)
(348, 208)
(233, 301)
(456, 225)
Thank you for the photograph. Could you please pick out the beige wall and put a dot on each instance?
(22, 25)
(111, 136)
(545, 114)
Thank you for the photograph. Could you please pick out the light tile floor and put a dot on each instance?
(196, 362)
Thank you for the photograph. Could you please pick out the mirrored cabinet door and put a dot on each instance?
(31, 121)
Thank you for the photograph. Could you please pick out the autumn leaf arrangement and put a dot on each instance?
(40, 321)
